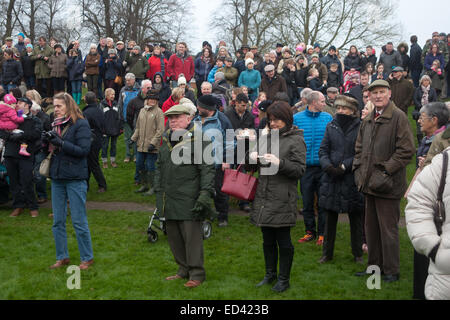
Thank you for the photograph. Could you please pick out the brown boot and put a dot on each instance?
(85, 264)
(16, 212)
(60, 263)
(34, 213)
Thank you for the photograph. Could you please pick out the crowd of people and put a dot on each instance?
(341, 122)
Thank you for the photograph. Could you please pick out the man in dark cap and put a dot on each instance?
(183, 193)
(402, 89)
(384, 147)
(331, 58)
(210, 118)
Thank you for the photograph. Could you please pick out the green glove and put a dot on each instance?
(201, 206)
(160, 202)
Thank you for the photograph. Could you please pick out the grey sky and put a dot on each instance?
(417, 17)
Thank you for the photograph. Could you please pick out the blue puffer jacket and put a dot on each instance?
(70, 162)
(313, 125)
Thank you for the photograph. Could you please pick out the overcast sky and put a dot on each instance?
(419, 17)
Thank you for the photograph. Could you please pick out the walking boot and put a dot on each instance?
(271, 261)
(286, 257)
(150, 177)
(144, 182)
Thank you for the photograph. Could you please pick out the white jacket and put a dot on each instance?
(422, 230)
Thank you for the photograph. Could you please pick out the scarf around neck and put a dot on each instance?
(426, 91)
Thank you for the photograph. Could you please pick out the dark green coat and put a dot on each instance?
(137, 65)
(275, 203)
(181, 184)
(41, 68)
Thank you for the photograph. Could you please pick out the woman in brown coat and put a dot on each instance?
(57, 65)
(92, 69)
(275, 205)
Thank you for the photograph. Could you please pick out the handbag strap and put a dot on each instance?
(443, 176)
(439, 211)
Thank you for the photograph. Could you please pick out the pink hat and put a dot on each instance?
(9, 99)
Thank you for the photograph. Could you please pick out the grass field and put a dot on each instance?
(127, 266)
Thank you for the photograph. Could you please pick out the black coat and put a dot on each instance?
(32, 129)
(27, 65)
(291, 85)
(301, 76)
(94, 115)
(134, 107)
(417, 97)
(415, 58)
(113, 124)
(353, 62)
(247, 120)
(334, 80)
(357, 92)
(338, 147)
(12, 72)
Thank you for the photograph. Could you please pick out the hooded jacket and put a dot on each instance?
(113, 125)
(164, 92)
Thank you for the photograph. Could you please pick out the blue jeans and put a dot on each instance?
(146, 161)
(8, 87)
(76, 86)
(40, 181)
(309, 185)
(112, 150)
(100, 87)
(75, 191)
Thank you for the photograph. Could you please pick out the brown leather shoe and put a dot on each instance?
(101, 190)
(175, 277)
(60, 263)
(34, 213)
(85, 264)
(41, 200)
(192, 283)
(16, 212)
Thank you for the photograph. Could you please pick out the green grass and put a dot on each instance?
(127, 266)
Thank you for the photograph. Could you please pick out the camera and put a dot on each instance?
(47, 134)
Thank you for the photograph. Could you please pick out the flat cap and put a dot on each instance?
(178, 109)
(379, 83)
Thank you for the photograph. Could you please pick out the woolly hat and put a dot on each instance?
(309, 47)
(112, 51)
(314, 55)
(9, 99)
(181, 80)
(207, 102)
(137, 48)
(29, 46)
(316, 45)
(21, 34)
(219, 75)
(249, 60)
(269, 67)
(286, 48)
(347, 101)
(332, 48)
(264, 105)
(93, 46)
(188, 103)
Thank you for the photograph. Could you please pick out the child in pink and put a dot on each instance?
(10, 120)
(255, 111)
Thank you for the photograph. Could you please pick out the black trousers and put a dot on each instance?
(94, 165)
(280, 237)
(421, 264)
(48, 91)
(20, 172)
(220, 198)
(356, 231)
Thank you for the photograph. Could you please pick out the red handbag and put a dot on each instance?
(239, 184)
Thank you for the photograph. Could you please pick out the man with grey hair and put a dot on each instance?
(220, 85)
(206, 88)
(313, 121)
(128, 93)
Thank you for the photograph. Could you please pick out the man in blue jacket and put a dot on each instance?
(210, 119)
(313, 122)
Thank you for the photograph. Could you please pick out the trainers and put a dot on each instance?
(223, 223)
(307, 237)
(319, 241)
(126, 160)
(105, 165)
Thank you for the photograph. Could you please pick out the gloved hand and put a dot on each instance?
(151, 148)
(56, 140)
(202, 206)
(334, 172)
(15, 136)
(20, 113)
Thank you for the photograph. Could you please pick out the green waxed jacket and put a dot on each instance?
(180, 184)
(41, 68)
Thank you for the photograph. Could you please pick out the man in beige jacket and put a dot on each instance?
(147, 135)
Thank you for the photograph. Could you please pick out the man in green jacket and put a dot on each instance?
(184, 186)
(41, 55)
(136, 64)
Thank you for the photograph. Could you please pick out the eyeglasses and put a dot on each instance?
(422, 118)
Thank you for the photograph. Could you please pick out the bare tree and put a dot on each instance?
(27, 17)
(339, 22)
(250, 22)
(139, 20)
(7, 25)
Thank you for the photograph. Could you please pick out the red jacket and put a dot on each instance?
(154, 64)
(177, 65)
(169, 103)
